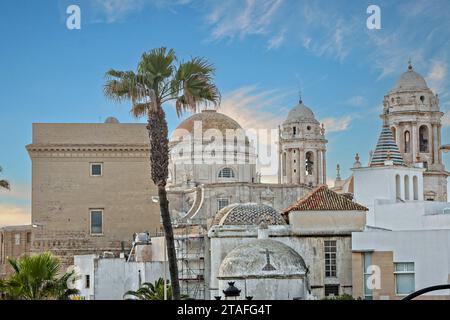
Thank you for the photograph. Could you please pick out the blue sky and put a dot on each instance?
(264, 51)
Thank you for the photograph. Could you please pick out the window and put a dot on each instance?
(17, 239)
(96, 169)
(295, 130)
(398, 190)
(97, 222)
(330, 258)
(407, 142)
(415, 188)
(406, 178)
(28, 237)
(404, 278)
(222, 203)
(226, 173)
(423, 139)
(331, 290)
(394, 134)
(368, 293)
(309, 163)
(87, 281)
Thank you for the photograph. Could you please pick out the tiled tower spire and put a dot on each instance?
(386, 149)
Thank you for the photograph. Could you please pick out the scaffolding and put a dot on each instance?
(190, 250)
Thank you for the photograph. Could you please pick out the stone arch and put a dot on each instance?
(406, 186)
(309, 163)
(226, 173)
(394, 133)
(424, 139)
(407, 141)
(415, 188)
(398, 188)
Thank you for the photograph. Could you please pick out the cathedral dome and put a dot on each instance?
(262, 258)
(248, 214)
(301, 113)
(410, 80)
(210, 119)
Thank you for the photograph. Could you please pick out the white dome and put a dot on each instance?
(301, 113)
(410, 80)
(262, 258)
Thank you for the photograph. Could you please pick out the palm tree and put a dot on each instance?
(4, 184)
(36, 278)
(152, 291)
(158, 80)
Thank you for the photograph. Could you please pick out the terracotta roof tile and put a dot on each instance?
(323, 199)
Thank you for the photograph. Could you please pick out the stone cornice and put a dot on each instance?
(76, 150)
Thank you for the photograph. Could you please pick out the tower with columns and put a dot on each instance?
(412, 112)
(302, 148)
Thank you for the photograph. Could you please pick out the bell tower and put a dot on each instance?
(412, 112)
(302, 148)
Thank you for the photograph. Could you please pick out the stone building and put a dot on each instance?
(412, 111)
(91, 187)
(15, 241)
(213, 164)
(302, 158)
(318, 229)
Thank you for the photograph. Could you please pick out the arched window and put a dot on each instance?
(398, 189)
(416, 188)
(295, 130)
(394, 133)
(407, 142)
(406, 187)
(423, 139)
(309, 163)
(226, 173)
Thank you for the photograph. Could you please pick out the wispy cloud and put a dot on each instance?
(437, 76)
(446, 119)
(356, 101)
(236, 18)
(255, 108)
(111, 11)
(11, 215)
(333, 124)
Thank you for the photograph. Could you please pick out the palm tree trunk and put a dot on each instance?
(159, 163)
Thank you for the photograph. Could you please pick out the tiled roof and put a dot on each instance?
(248, 214)
(323, 199)
(386, 149)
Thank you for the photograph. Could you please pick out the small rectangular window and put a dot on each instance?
(88, 281)
(28, 237)
(96, 169)
(331, 290)
(97, 222)
(222, 203)
(404, 278)
(330, 258)
(17, 239)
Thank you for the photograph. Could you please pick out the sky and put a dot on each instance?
(265, 52)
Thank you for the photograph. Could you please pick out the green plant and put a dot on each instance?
(37, 278)
(159, 79)
(152, 291)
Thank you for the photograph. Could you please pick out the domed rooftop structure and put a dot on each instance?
(301, 113)
(111, 120)
(410, 80)
(260, 259)
(210, 119)
(248, 214)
